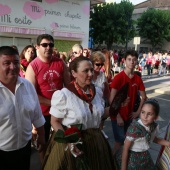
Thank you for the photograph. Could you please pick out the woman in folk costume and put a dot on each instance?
(80, 103)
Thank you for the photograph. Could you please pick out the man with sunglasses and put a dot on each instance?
(48, 74)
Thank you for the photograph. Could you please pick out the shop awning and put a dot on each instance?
(66, 34)
(21, 30)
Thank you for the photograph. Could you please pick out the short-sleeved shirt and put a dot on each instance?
(135, 85)
(66, 105)
(149, 61)
(140, 144)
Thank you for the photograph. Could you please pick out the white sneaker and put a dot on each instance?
(104, 134)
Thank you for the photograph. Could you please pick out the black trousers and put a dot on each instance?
(47, 127)
(16, 160)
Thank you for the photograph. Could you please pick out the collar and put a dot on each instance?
(146, 127)
(19, 82)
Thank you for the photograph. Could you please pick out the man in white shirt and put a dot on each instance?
(19, 109)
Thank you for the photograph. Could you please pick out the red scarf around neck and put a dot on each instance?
(77, 90)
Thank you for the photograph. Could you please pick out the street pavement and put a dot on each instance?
(160, 87)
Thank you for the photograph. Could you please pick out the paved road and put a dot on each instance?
(152, 84)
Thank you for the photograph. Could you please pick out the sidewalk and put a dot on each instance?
(165, 89)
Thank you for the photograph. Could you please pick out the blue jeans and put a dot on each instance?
(119, 132)
(149, 69)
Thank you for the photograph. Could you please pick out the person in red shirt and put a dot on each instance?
(48, 74)
(115, 56)
(121, 122)
(149, 62)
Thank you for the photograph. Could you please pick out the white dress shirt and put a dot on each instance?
(73, 110)
(17, 114)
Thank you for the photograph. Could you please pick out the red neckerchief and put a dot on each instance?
(76, 89)
(24, 63)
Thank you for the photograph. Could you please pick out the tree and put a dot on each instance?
(154, 25)
(112, 23)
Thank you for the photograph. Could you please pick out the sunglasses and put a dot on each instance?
(98, 64)
(51, 45)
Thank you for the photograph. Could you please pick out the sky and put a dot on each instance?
(133, 1)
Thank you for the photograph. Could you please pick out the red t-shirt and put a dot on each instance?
(149, 61)
(49, 77)
(157, 62)
(135, 85)
(115, 56)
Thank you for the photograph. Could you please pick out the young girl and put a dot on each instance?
(140, 135)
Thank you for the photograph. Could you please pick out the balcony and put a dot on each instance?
(95, 2)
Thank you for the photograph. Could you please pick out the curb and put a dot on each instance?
(163, 91)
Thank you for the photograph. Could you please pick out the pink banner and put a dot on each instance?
(68, 34)
(21, 30)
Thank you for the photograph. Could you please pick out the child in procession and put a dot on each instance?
(140, 135)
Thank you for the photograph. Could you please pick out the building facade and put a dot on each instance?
(138, 10)
(21, 21)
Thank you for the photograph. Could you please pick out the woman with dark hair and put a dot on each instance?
(27, 55)
(80, 103)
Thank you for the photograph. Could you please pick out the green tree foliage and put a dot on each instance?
(154, 25)
(112, 23)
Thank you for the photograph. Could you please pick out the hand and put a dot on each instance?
(34, 134)
(41, 145)
(120, 121)
(74, 150)
(134, 115)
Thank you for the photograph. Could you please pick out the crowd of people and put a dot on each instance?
(45, 92)
(155, 63)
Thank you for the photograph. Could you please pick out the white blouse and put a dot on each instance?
(141, 144)
(101, 79)
(73, 110)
